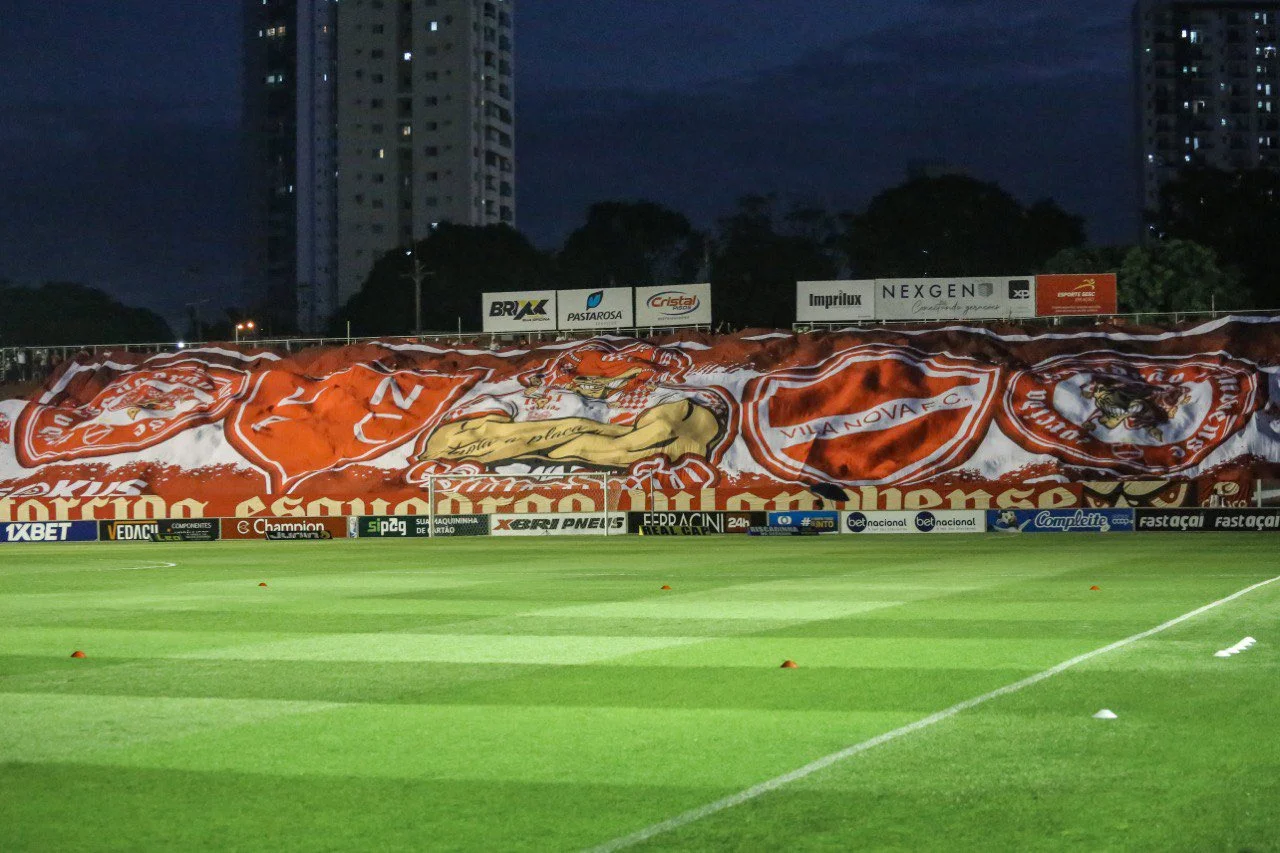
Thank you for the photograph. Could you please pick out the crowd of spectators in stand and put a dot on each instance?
(28, 364)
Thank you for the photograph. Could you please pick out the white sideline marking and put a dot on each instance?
(138, 568)
(826, 761)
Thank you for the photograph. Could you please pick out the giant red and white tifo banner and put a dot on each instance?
(956, 417)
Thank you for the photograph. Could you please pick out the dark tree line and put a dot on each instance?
(950, 225)
(67, 314)
(1211, 243)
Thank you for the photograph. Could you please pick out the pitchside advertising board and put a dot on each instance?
(606, 308)
(806, 521)
(921, 521)
(49, 531)
(672, 523)
(558, 524)
(520, 311)
(160, 530)
(676, 305)
(276, 529)
(835, 301)
(1209, 520)
(417, 526)
(1060, 520)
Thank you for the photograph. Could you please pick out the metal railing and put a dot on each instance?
(32, 363)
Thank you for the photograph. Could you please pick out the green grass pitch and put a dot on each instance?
(546, 694)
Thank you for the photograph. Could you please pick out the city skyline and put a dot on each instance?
(125, 143)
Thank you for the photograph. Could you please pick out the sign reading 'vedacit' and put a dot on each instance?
(835, 301)
(520, 311)
(674, 305)
(604, 308)
(992, 298)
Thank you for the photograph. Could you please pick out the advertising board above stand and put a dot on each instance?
(943, 299)
(532, 311)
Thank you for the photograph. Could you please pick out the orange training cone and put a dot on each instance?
(77, 654)
(788, 664)
(264, 583)
(1092, 588)
(664, 586)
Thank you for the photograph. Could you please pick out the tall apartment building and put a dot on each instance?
(1208, 87)
(368, 122)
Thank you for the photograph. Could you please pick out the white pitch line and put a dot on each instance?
(138, 568)
(812, 767)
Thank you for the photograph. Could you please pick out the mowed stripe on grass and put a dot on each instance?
(463, 728)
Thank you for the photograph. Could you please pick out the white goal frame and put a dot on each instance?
(606, 481)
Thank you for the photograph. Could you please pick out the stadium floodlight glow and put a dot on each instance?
(246, 326)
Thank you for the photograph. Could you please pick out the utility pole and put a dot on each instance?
(417, 274)
(195, 318)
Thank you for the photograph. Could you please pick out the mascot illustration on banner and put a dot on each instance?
(594, 407)
(1130, 414)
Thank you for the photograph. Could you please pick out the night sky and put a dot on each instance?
(120, 119)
